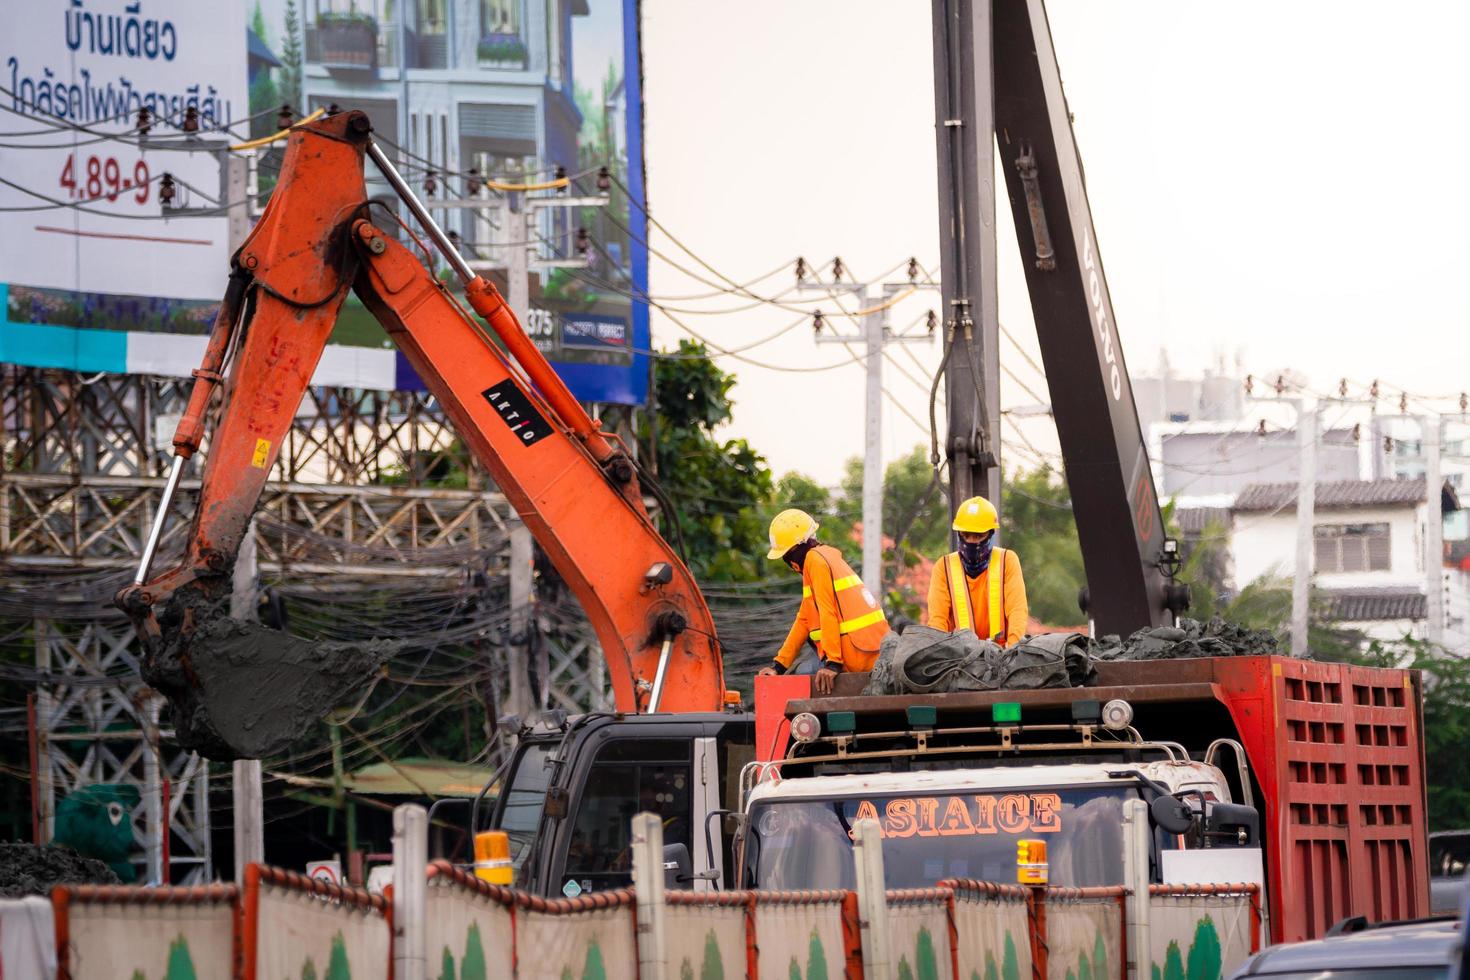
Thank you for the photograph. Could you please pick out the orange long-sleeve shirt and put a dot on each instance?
(831, 598)
(1015, 611)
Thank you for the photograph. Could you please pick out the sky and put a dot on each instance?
(1278, 182)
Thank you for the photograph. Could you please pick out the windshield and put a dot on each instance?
(520, 811)
(808, 843)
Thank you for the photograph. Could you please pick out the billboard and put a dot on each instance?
(502, 90)
(92, 278)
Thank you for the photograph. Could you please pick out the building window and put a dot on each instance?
(500, 17)
(1352, 548)
(431, 18)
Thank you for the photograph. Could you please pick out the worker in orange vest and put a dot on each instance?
(838, 616)
(979, 586)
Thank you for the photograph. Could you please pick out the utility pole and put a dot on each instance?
(1433, 528)
(876, 333)
(1306, 498)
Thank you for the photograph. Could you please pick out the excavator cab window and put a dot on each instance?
(520, 808)
(628, 776)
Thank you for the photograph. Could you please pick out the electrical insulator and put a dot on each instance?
(453, 237)
(431, 183)
(1261, 428)
(1373, 389)
(1280, 383)
(837, 269)
(913, 269)
(333, 109)
(1464, 402)
(800, 269)
(583, 242)
(561, 176)
(1357, 432)
(1342, 388)
(817, 322)
(604, 180)
(191, 120)
(932, 322)
(145, 121)
(1388, 444)
(472, 182)
(285, 117)
(1250, 382)
(166, 189)
(1404, 403)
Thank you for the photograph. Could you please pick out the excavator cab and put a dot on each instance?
(573, 786)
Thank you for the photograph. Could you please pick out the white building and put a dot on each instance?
(1368, 548)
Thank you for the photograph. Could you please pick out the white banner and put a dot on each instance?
(705, 940)
(27, 938)
(596, 943)
(297, 930)
(799, 940)
(94, 64)
(1198, 937)
(994, 937)
(919, 933)
(467, 934)
(132, 939)
(1083, 939)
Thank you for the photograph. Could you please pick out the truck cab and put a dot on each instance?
(955, 801)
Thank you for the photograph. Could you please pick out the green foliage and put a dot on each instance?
(1173, 963)
(794, 972)
(501, 49)
(1037, 523)
(906, 972)
(446, 965)
(721, 489)
(1204, 952)
(264, 96)
(290, 55)
(1099, 957)
(593, 967)
(1446, 681)
(686, 970)
(180, 963)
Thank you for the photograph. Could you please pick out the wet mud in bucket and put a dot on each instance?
(240, 690)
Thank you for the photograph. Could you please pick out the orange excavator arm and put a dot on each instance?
(237, 692)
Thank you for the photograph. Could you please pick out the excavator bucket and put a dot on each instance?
(240, 690)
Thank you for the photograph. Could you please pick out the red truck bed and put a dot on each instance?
(1336, 752)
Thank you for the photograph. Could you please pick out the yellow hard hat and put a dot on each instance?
(789, 529)
(975, 516)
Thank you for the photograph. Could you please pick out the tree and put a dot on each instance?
(264, 95)
(290, 85)
(1446, 681)
(1037, 522)
(721, 491)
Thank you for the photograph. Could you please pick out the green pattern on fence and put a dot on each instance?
(1204, 956)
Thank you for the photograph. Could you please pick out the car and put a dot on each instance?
(1449, 855)
(1355, 949)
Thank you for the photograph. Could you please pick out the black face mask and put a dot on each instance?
(796, 556)
(975, 556)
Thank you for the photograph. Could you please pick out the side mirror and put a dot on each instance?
(1170, 814)
(1233, 825)
(678, 869)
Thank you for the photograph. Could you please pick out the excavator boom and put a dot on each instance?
(239, 689)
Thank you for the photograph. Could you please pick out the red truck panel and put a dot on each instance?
(1338, 752)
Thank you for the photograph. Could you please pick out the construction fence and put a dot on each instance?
(446, 923)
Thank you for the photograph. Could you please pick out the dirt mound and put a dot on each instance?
(26, 869)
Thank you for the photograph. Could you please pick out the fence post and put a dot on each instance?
(410, 883)
(867, 852)
(1136, 836)
(648, 884)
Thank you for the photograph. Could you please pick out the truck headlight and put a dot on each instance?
(1117, 715)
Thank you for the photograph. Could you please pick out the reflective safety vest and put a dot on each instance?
(847, 584)
(959, 594)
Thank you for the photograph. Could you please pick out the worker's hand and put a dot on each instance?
(826, 680)
(766, 672)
